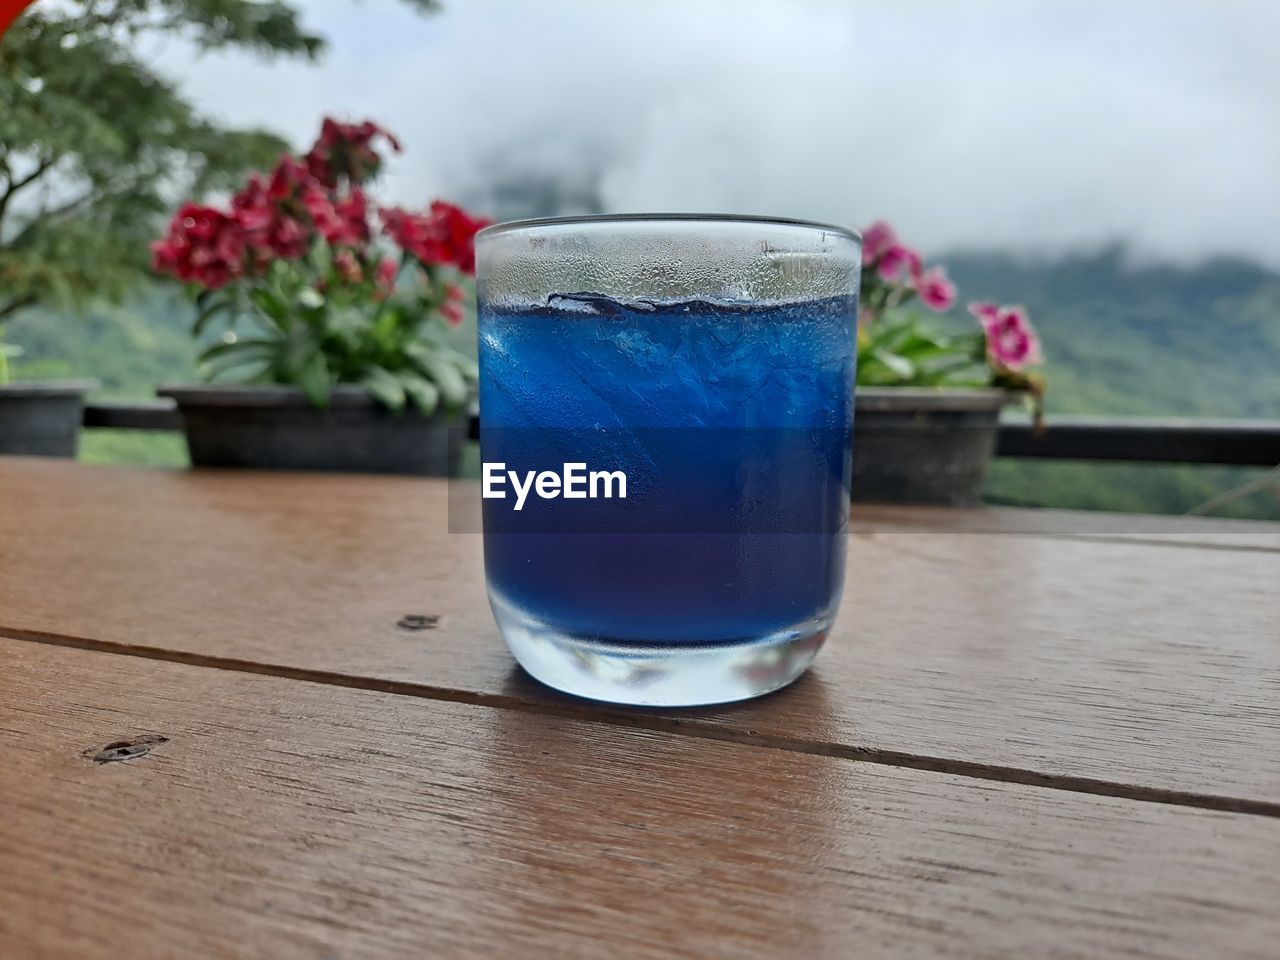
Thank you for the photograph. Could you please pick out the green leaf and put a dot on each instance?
(443, 371)
(468, 368)
(296, 350)
(385, 387)
(225, 357)
(901, 366)
(386, 329)
(221, 349)
(269, 302)
(421, 393)
(210, 309)
(322, 258)
(313, 379)
(236, 361)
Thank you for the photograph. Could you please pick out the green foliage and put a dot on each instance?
(900, 349)
(130, 348)
(144, 448)
(8, 351)
(315, 335)
(94, 144)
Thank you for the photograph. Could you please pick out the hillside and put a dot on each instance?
(1121, 339)
(1200, 341)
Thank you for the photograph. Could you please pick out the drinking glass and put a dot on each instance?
(674, 396)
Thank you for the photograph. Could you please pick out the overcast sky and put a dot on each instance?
(1037, 126)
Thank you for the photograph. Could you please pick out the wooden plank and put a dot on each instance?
(1074, 524)
(287, 819)
(1126, 668)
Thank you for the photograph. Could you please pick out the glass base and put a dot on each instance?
(653, 675)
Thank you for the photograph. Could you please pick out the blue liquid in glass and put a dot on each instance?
(732, 423)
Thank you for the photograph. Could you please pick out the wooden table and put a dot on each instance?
(222, 738)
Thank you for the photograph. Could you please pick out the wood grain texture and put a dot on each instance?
(1132, 664)
(1089, 525)
(286, 819)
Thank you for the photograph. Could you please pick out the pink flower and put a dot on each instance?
(936, 291)
(876, 239)
(1011, 341)
(897, 257)
(984, 311)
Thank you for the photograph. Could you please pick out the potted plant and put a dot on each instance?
(38, 418)
(334, 313)
(929, 398)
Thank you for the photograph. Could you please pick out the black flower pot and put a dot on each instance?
(277, 428)
(42, 418)
(924, 446)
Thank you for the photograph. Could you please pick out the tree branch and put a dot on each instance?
(15, 185)
(44, 216)
(16, 304)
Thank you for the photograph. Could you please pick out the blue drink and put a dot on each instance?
(719, 573)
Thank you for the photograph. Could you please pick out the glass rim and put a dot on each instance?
(588, 219)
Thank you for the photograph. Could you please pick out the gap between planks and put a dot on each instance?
(665, 723)
(1144, 541)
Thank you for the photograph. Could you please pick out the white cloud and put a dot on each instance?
(1028, 126)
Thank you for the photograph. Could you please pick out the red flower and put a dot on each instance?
(452, 306)
(346, 150)
(445, 235)
(267, 214)
(281, 215)
(324, 216)
(288, 176)
(203, 246)
(353, 210)
(287, 239)
(385, 278)
(251, 207)
(348, 267)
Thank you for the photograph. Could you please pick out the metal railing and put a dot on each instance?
(1145, 439)
(1150, 439)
